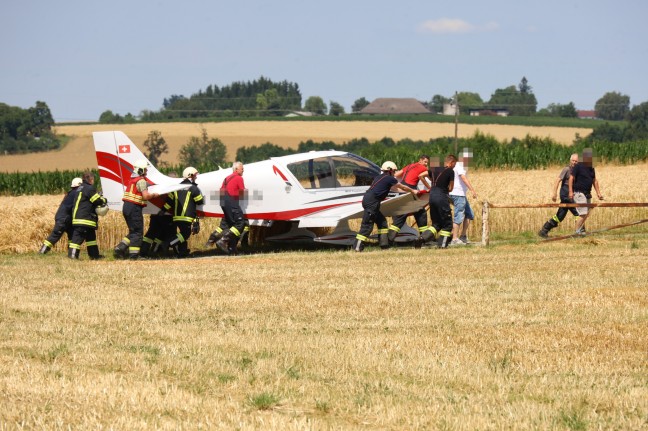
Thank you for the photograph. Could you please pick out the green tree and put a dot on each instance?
(558, 110)
(41, 120)
(316, 105)
(637, 128)
(437, 103)
(468, 100)
(108, 117)
(203, 153)
(359, 104)
(518, 100)
(335, 109)
(156, 146)
(613, 106)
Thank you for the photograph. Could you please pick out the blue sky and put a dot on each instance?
(84, 57)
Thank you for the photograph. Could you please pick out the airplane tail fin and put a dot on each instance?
(116, 154)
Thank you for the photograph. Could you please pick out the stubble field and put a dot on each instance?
(519, 335)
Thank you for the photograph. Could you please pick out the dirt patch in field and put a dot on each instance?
(79, 152)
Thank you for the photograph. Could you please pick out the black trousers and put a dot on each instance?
(233, 216)
(87, 234)
(61, 226)
(562, 212)
(440, 212)
(371, 216)
(135, 222)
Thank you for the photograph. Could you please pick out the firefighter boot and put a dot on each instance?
(393, 233)
(213, 237)
(145, 249)
(44, 249)
(443, 241)
(223, 243)
(427, 235)
(73, 253)
(544, 232)
(121, 250)
(383, 241)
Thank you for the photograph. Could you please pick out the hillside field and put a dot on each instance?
(79, 152)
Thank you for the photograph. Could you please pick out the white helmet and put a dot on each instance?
(102, 210)
(139, 166)
(76, 182)
(387, 166)
(188, 172)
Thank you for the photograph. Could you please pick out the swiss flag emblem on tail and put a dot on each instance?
(124, 149)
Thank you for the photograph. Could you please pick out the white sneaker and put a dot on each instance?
(464, 240)
(456, 242)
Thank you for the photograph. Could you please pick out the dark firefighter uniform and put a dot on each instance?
(159, 235)
(84, 220)
(564, 199)
(182, 205)
(440, 182)
(371, 200)
(133, 206)
(233, 223)
(410, 179)
(62, 222)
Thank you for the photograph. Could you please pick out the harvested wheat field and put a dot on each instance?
(79, 152)
(519, 335)
(527, 336)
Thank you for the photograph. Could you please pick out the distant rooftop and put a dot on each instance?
(395, 106)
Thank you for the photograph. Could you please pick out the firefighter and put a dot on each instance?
(135, 197)
(410, 176)
(377, 192)
(183, 205)
(232, 190)
(84, 218)
(442, 182)
(62, 218)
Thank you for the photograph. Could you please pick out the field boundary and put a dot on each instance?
(487, 206)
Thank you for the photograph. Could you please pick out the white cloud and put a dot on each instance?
(454, 25)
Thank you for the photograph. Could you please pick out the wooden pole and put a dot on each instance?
(456, 136)
(605, 229)
(600, 205)
(485, 227)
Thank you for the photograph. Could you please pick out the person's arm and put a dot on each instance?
(148, 195)
(423, 178)
(401, 187)
(470, 187)
(554, 189)
(598, 190)
(398, 173)
(451, 185)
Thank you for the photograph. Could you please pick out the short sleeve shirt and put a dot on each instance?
(459, 188)
(583, 179)
(440, 178)
(381, 185)
(411, 174)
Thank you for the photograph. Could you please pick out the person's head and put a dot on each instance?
(88, 177)
(190, 173)
(450, 161)
(388, 167)
(424, 160)
(237, 167)
(140, 167)
(76, 182)
(466, 157)
(573, 160)
(588, 156)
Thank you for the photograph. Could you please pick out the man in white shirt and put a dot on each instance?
(463, 213)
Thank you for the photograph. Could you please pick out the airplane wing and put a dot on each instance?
(167, 188)
(397, 205)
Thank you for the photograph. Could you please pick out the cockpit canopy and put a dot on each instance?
(347, 170)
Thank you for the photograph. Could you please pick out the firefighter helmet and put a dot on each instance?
(389, 166)
(102, 210)
(76, 182)
(189, 172)
(140, 166)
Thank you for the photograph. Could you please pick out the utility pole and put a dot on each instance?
(456, 137)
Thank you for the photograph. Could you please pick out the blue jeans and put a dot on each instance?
(461, 209)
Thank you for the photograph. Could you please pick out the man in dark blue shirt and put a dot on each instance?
(582, 179)
(377, 192)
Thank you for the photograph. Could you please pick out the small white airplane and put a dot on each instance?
(310, 190)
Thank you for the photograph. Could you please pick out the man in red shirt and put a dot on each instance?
(234, 221)
(410, 176)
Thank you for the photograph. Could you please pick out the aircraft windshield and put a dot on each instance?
(332, 172)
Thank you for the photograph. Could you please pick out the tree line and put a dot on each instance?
(27, 130)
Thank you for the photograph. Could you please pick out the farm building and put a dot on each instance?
(395, 106)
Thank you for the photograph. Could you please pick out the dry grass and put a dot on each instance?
(79, 153)
(618, 184)
(549, 336)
